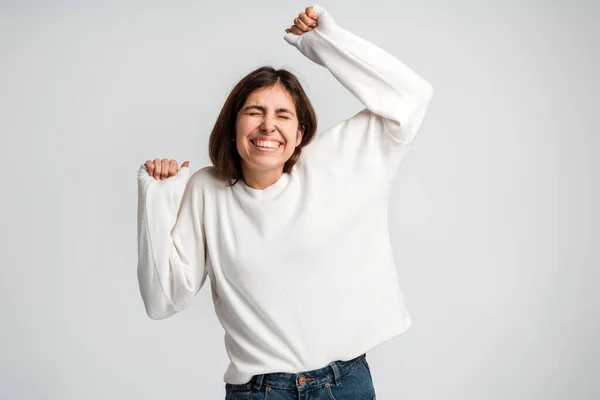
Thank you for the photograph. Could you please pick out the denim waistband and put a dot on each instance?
(302, 380)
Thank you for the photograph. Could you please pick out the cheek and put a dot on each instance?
(288, 130)
(245, 126)
(291, 134)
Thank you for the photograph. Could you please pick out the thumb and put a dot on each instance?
(185, 164)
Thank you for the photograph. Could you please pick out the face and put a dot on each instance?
(267, 130)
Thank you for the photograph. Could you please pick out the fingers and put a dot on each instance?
(163, 168)
(311, 13)
(157, 168)
(150, 167)
(305, 22)
(308, 21)
(173, 167)
(301, 25)
(296, 31)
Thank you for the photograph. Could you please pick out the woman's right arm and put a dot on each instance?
(374, 141)
(171, 245)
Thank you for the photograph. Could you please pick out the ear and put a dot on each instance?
(299, 135)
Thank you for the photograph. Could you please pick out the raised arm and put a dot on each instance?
(171, 246)
(380, 81)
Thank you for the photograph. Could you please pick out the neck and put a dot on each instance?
(261, 179)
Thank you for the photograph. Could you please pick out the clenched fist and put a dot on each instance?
(162, 169)
(306, 21)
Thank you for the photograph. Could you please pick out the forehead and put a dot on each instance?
(271, 97)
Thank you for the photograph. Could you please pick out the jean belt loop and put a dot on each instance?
(258, 381)
(336, 373)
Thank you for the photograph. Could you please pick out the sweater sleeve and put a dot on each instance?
(171, 246)
(395, 97)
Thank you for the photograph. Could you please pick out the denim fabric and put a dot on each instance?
(340, 380)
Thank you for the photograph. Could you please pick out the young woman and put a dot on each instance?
(291, 227)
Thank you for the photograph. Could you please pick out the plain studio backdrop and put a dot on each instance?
(493, 215)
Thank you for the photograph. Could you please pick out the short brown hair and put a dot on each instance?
(222, 148)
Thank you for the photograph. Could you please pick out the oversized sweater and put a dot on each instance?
(302, 272)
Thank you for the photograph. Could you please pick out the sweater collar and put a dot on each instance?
(265, 193)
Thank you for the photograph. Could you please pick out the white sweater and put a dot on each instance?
(302, 272)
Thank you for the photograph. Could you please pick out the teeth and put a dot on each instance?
(266, 143)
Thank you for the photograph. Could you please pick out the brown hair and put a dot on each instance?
(222, 148)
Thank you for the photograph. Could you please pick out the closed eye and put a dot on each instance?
(281, 116)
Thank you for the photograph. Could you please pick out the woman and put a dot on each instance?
(291, 227)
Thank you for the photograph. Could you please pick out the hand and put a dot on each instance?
(305, 22)
(162, 169)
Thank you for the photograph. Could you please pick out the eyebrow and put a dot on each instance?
(261, 108)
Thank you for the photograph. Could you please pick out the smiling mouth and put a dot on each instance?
(265, 144)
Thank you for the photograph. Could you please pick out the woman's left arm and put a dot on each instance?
(379, 80)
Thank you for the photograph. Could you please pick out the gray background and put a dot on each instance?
(493, 216)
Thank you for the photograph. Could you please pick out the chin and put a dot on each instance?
(266, 162)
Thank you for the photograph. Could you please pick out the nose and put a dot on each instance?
(268, 125)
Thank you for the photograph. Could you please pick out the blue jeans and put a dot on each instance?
(340, 380)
